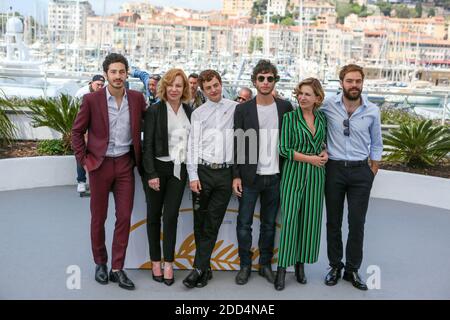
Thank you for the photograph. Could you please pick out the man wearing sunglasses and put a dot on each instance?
(354, 136)
(244, 95)
(150, 83)
(257, 167)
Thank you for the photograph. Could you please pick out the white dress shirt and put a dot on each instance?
(178, 127)
(211, 135)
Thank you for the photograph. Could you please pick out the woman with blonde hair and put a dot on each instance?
(166, 132)
(302, 143)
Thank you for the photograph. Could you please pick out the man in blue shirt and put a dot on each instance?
(150, 84)
(354, 136)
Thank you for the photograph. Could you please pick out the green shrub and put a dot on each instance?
(390, 115)
(7, 129)
(56, 113)
(417, 144)
(51, 147)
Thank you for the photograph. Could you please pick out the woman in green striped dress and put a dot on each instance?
(302, 143)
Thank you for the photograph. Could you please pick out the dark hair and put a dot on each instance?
(156, 77)
(264, 66)
(350, 68)
(208, 75)
(113, 58)
(193, 75)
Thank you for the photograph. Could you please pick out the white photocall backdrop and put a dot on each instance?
(225, 255)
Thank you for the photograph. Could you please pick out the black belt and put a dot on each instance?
(347, 163)
(214, 166)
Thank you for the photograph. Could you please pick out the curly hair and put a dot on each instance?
(264, 66)
(113, 58)
(169, 78)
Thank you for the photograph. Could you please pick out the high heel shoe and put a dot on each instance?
(157, 278)
(169, 281)
(279, 279)
(300, 273)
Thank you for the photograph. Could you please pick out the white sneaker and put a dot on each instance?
(81, 187)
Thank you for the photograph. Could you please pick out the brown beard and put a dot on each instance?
(351, 97)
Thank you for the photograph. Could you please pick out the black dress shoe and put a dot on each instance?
(209, 273)
(333, 276)
(203, 280)
(279, 280)
(300, 273)
(121, 277)
(191, 280)
(266, 272)
(101, 273)
(243, 275)
(355, 279)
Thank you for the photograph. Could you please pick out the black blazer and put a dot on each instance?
(156, 137)
(245, 118)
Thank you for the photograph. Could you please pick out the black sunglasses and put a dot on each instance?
(269, 78)
(346, 124)
(240, 99)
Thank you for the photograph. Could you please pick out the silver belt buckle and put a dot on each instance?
(345, 163)
(214, 166)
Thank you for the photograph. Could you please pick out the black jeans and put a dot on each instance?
(355, 183)
(166, 203)
(268, 188)
(209, 210)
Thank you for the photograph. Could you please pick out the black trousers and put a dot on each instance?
(209, 210)
(164, 203)
(355, 183)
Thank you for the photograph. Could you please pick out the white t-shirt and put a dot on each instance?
(268, 162)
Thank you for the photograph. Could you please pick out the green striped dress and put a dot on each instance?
(302, 190)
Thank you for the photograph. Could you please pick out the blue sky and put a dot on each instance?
(39, 7)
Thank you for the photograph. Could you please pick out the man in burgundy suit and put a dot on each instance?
(112, 117)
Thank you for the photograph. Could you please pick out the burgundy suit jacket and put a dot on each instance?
(93, 118)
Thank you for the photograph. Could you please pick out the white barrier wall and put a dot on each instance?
(35, 172)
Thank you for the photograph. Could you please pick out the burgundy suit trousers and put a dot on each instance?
(116, 175)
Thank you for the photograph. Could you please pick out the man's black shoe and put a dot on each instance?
(209, 273)
(193, 277)
(266, 272)
(243, 275)
(333, 276)
(101, 273)
(355, 279)
(203, 280)
(121, 277)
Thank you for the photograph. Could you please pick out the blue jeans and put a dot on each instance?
(268, 187)
(81, 173)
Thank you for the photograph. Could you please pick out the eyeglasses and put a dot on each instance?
(346, 124)
(269, 78)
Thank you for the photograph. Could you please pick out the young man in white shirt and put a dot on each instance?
(210, 155)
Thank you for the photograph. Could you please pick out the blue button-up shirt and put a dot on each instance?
(365, 138)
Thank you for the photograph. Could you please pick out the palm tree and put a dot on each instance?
(417, 144)
(56, 113)
(7, 129)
